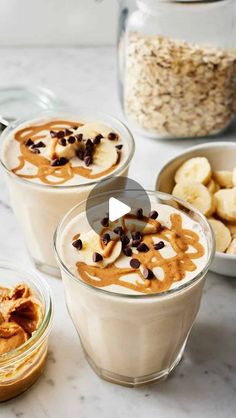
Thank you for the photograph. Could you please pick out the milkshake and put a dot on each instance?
(133, 290)
(52, 162)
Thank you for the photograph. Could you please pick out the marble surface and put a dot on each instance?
(204, 384)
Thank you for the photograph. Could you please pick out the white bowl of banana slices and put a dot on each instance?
(205, 176)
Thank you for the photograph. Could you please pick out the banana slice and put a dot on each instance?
(222, 235)
(234, 177)
(196, 194)
(91, 129)
(226, 204)
(91, 244)
(212, 186)
(224, 178)
(196, 169)
(232, 247)
(105, 156)
(146, 228)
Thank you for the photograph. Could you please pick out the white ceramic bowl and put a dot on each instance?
(222, 156)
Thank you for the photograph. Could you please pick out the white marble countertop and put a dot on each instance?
(204, 384)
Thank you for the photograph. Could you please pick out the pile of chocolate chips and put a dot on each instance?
(87, 148)
(127, 243)
(34, 147)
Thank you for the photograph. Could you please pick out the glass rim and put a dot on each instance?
(19, 353)
(169, 292)
(60, 111)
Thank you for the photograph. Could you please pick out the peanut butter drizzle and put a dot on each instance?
(43, 165)
(174, 268)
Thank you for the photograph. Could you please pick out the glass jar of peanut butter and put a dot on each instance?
(25, 323)
(177, 66)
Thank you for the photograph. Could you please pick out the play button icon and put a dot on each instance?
(117, 209)
(112, 199)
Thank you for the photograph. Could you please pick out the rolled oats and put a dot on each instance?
(176, 89)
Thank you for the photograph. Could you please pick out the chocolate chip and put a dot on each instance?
(139, 213)
(159, 245)
(89, 144)
(119, 230)
(153, 214)
(134, 263)
(29, 142)
(53, 134)
(105, 222)
(97, 257)
(80, 154)
(71, 140)
(143, 248)
(125, 240)
(112, 136)
(79, 137)
(40, 144)
(60, 134)
(147, 273)
(97, 139)
(88, 160)
(136, 236)
(35, 150)
(62, 142)
(59, 162)
(135, 243)
(77, 244)
(68, 132)
(88, 152)
(127, 251)
(119, 147)
(106, 239)
(74, 127)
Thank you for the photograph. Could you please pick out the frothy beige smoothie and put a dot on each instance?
(52, 163)
(137, 284)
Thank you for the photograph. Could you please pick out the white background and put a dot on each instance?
(58, 22)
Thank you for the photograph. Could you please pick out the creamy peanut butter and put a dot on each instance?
(21, 314)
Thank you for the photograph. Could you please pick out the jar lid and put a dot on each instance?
(16, 102)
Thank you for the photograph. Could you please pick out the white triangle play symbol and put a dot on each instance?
(117, 209)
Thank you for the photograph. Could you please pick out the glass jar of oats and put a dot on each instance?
(177, 66)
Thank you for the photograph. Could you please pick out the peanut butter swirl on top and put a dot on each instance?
(144, 250)
(58, 150)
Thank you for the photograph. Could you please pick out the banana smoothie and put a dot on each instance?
(52, 162)
(134, 290)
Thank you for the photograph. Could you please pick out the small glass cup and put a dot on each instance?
(21, 367)
(39, 207)
(133, 340)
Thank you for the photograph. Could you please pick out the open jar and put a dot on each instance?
(177, 66)
(22, 365)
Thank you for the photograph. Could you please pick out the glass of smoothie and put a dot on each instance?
(133, 290)
(52, 161)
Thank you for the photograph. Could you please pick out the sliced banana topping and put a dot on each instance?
(222, 234)
(90, 245)
(105, 156)
(224, 178)
(147, 227)
(196, 194)
(196, 169)
(226, 204)
(91, 129)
